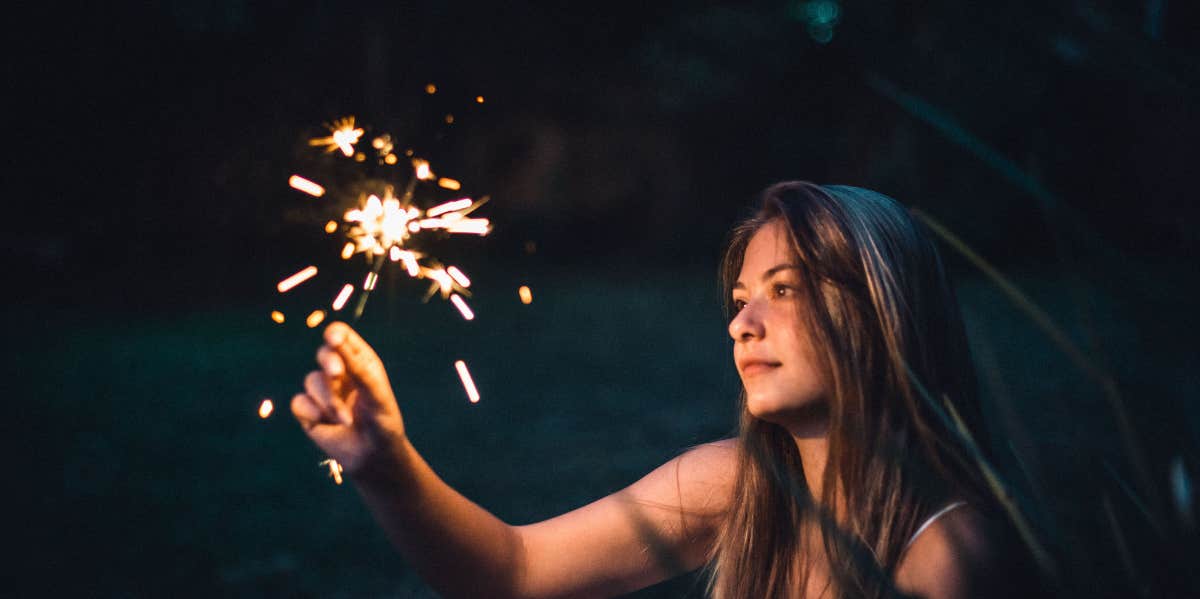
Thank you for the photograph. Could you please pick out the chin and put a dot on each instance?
(788, 411)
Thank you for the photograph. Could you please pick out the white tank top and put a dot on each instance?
(932, 518)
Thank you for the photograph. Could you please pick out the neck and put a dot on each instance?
(811, 434)
(814, 452)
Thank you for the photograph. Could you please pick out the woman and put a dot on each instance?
(846, 478)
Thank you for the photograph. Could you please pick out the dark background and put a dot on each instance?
(151, 218)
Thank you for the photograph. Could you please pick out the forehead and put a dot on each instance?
(769, 247)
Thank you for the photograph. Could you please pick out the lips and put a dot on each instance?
(753, 367)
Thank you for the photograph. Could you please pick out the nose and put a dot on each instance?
(747, 323)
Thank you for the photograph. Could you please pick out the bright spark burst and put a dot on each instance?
(468, 383)
(383, 226)
(526, 295)
(342, 136)
(265, 408)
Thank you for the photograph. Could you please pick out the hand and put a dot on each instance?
(348, 408)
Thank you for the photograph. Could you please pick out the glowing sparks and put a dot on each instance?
(458, 276)
(422, 169)
(462, 306)
(342, 297)
(479, 99)
(335, 469)
(526, 294)
(468, 384)
(474, 226)
(410, 263)
(314, 319)
(384, 222)
(387, 221)
(343, 135)
(265, 408)
(431, 89)
(442, 281)
(301, 184)
(296, 279)
(452, 206)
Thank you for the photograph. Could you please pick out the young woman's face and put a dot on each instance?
(770, 348)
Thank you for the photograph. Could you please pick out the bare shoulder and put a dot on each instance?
(660, 526)
(961, 554)
(697, 481)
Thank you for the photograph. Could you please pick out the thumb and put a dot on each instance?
(362, 363)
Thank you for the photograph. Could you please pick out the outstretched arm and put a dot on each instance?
(659, 526)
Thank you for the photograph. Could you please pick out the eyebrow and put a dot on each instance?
(769, 273)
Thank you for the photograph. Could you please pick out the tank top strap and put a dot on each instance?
(934, 517)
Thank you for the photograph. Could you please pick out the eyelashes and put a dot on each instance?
(778, 290)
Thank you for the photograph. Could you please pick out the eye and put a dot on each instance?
(738, 305)
(781, 290)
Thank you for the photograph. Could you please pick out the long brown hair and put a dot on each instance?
(884, 319)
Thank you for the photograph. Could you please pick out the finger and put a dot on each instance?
(362, 363)
(330, 362)
(316, 384)
(306, 410)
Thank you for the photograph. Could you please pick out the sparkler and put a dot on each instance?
(385, 224)
(265, 408)
(382, 225)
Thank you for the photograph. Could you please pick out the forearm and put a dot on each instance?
(457, 547)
